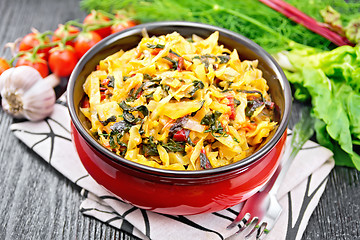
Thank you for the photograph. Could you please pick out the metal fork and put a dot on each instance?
(262, 210)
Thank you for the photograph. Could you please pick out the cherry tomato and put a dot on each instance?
(62, 61)
(95, 18)
(64, 31)
(36, 62)
(122, 25)
(85, 41)
(34, 39)
(4, 65)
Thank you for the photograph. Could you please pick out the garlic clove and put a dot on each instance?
(4, 76)
(26, 94)
(38, 101)
(20, 78)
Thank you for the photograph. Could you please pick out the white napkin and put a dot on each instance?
(299, 194)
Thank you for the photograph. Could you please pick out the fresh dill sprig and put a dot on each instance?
(251, 18)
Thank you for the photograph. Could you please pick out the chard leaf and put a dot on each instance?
(127, 109)
(173, 146)
(331, 79)
(107, 121)
(204, 161)
(112, 142)
(125, 106)
(352, 31)
(322, 136)
(341, 157)
(331, 16)
(143, 109)
(174, 63)
(121, 128)
(171, 51)
(328, 108)
(350, 100)
(197, 85)
(129, 117)
(212, 121)
(252, 106)
(149, 147)
(152, 46)
(224, 58)
(111, 81)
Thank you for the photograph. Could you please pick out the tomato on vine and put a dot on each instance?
(62, 60)
(4, 65)
(34, 39)
(35, 61)
(65, 31)
(121, 23)
(98, 18)
(84, 41)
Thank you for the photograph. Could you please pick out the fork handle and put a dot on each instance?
(302, 132)
(284, 167)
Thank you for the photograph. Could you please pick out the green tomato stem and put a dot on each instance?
(15, 57)
(74, 23)
(44, 34)
(93, 27)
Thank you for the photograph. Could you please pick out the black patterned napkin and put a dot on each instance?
(299, 194)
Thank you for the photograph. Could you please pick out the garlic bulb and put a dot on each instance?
(25, 94)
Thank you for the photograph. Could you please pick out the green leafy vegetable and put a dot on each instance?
(152, 46)
(127, 109)
(215, 59)
(149, 147)
(331, 80)
(333, 19)
(204, 161)
(129, 117)
(143, 109)
(173, 146)
(197, 85)
(125, 106)
(171, 51)
(112, 142)
(121, 128)
(224, 58)
(212, 121)
(254, 92)
(139, 90)
(131, 97)
(252, 106)
(174, 63)
(107, 121)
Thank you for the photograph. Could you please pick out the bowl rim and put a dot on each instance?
(181, 173)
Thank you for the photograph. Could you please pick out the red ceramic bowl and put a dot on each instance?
(169, 191)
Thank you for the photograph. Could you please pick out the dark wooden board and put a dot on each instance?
(37, 202)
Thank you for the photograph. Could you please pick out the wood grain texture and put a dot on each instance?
(37, 202)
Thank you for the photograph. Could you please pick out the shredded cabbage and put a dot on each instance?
(169, 103)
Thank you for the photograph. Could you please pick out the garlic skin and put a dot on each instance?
(25, 94)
